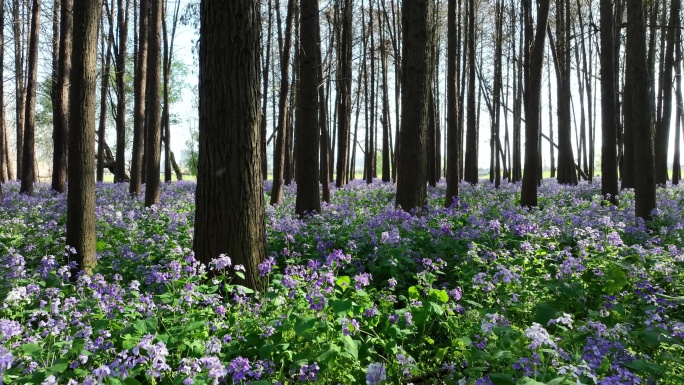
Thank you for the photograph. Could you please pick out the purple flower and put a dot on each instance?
(375, 374)
(266, 266)
(239, 367)
(539, 337)
(222, 262)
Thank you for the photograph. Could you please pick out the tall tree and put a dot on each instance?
(454, 145)
(281, 127)
(19, 81)
(4, 147)
(28, 176)
(417, 30)
(344, 82)
(534, 63)
(140, 93)
(637, 71)
(662, 134)
(676, 167)
(266, 66)
(80, 227)
(60, 101)
(106, 60)
(153, 107)
(229, 215)
(322, 119)
(119, 47)
(169, 39)
(470, 170)
(306, 125)
(609, 172)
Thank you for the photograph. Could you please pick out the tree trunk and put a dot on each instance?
(140, 96)
(80, 227)
(230, 203)
(471, 152)
(676, 167)
(637, 72)
(120, 53)
(153, 108)
(104, 86)
(344, 82)
(20, 85)
(307, 127)
(279, 147)
(168, 60)
(534, 64)
(264, 93)
(386, 175)
(60, 97)
(28, 176)
(416, 78)
(3, 126)
(324, 160)
(609, 175)
(662, 134)
(454, 145)
(496, 98)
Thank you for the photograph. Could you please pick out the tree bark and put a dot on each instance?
(662, 134)
(609, 172)
(281, 129)
(535, 64)
(637, 72)
(104, 86)
(264, 122)
(416, 85)
(471, 152)
(28, 176)
(153, 108)
(676, 167)
(229, 215)
(454, 145)
(20, 85)
(60, 103)
(80, 228)
(120, 53)
(3, 126)
(344, 82)
(140, 92)
(307, 127)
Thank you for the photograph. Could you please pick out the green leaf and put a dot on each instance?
(441, 353)
(351, 346)
(645, 366)
(57, 368)
(343, 282)
(544, 313)
(439, 295)
(100, 245)
(131, 381)
(240, 274)
(77, 346)
(266, 350)
(329, 354)
(413, 292)
(140, 326)
(391, 346)
(261, 382)
(616, 279)
(31, 349)
(529, 381)
(433, 308)
(303, 324)
(502, 379)
(341, 307)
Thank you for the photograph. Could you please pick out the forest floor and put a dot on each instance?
(575, 291)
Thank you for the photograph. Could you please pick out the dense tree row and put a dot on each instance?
(415, 75)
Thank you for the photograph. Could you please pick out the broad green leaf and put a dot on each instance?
(502, 379)
(351, 346)
(343, 282)
(341, 306)
(413, 292)
(304, 324)
(439, 295)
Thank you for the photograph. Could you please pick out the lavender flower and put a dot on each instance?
(375, 374)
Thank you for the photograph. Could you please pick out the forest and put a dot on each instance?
(367, 192)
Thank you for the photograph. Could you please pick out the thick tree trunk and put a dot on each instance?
(637, 71)
(80, 227)
(344, 82)
(454, 145)
(534, 63)
(153, 108)
(264, 93)
(60, 104)
(140, 96)
(20, 85)
(230, 202)
(3, 126)
(28, 176)
(662, 134)
(281, 128)
(416, 78)
(324, 160)
(120, 53)
(386, 175)
(307, 127)
(471, 152)
(104, 86)
(676, 167)
(609, 172)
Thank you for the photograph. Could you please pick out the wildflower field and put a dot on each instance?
(485, 292)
